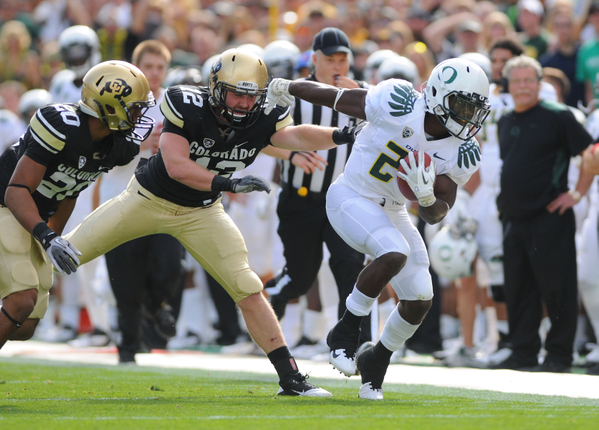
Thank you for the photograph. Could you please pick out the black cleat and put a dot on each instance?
(299, 386)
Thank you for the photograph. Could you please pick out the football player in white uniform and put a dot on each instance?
(367, 209)
(80, 50)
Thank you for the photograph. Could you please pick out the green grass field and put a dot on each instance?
(38, 395)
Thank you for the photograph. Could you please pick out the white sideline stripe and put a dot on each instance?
(507, 381)
(272, 417)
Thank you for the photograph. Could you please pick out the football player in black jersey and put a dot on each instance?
(64, 149)
(208, 134)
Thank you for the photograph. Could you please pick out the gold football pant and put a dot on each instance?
(208, 234)
(23, 263)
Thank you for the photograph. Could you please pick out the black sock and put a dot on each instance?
(382, 353)
(351, 320)
(284, 362)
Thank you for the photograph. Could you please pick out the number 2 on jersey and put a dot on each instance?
(383, 159)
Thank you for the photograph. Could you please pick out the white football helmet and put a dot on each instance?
(374, 61)
(457, 93)
(79, 49)
(280, 58)
(482, 60)
(452, 253)
(399, 67)
(31, 101)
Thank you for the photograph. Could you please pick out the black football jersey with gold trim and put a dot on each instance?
(59, 138)
(187, 113)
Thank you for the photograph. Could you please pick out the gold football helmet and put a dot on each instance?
(241, 72)
(119, 94)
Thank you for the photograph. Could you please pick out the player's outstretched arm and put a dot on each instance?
(351, 102)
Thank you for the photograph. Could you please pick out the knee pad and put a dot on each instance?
(417, 285)
(497, 293)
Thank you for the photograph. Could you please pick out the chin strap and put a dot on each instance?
(12, 320)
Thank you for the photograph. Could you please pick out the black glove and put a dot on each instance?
(347, 134)
(62, 254)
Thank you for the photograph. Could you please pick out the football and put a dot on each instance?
(404, 188)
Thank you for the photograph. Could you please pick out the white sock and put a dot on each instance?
(290, 324)
(503, 326)
(312, 325)
(358, 303)
(397, 331)
(492, 334)
(590, 298)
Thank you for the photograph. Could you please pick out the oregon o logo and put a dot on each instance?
(454, 74)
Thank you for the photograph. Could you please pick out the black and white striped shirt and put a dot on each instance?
(319, 181)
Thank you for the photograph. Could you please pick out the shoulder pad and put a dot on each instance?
(183, 101)
(49, 128)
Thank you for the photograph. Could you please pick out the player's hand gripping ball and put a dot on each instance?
(404, 187)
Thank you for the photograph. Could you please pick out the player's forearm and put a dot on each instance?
(22, 206)
(435, 213)
(350, 102)
(304, 137)
(191, 174)
(62, 215)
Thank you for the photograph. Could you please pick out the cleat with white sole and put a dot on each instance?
(298, 386)
(367, 392)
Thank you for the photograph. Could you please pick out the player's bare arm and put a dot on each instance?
(62, 215)
(25, 179)
(348, 101)
(306, 160)
(175, 152)
(445, 193)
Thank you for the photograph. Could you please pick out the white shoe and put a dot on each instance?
(593, 356)
(367, 392)
(59, 334)
(96, 338)
(499, 356)
(306, 352)
(343, 363)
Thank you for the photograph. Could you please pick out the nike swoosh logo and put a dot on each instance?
(241, 144)
(336, 354)
(139, 192)
(440, 158)
(103, 168)
(424, 179)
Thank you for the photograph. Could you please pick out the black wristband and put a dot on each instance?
(293, 153)
(221, 184)
(340, 137)
(43, 234)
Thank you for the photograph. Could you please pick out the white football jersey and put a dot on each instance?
(63, 89)
(395, 114)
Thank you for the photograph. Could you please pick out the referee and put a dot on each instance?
(303, 223)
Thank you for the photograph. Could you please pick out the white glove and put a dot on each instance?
(420, 179)
(278, 94)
